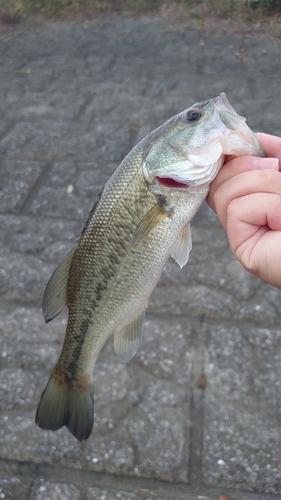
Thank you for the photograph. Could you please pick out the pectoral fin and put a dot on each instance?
(126, 341)
(55, 298)
(182, 246)
(155, 215)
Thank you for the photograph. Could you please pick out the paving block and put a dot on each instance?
(242, 408)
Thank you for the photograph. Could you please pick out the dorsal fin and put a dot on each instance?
(55, 297)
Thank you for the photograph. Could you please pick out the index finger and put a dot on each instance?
(237, 166)
(271, 143)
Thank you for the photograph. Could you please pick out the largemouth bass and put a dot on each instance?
(141, 217)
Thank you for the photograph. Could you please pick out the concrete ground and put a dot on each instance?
(196, 414)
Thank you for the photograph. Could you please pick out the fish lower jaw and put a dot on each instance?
(164, 189)
(195, 177)
(171, 183)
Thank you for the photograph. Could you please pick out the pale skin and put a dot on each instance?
(246, 195)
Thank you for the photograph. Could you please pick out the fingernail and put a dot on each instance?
(266, 163)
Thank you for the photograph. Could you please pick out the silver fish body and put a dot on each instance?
(141, 217)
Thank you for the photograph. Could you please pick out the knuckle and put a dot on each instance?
(232, 207)
(274, 202)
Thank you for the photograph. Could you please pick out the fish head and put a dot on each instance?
(189, 149)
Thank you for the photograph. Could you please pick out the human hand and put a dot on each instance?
(246, 195)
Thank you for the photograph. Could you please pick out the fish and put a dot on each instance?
(141, 218)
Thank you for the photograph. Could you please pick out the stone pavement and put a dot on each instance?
(75, 98)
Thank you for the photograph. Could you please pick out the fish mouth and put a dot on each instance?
(231, 124)
(234, 129)
(221, 101)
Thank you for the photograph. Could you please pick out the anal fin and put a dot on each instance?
(181, 249)
(126, 341)
(55, 297)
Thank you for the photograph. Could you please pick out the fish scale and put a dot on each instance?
(141, 217)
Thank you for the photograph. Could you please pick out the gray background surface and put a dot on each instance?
(75, 98)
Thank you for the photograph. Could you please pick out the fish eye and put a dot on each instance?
(193, 115)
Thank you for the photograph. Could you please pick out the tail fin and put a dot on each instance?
(70, 406)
